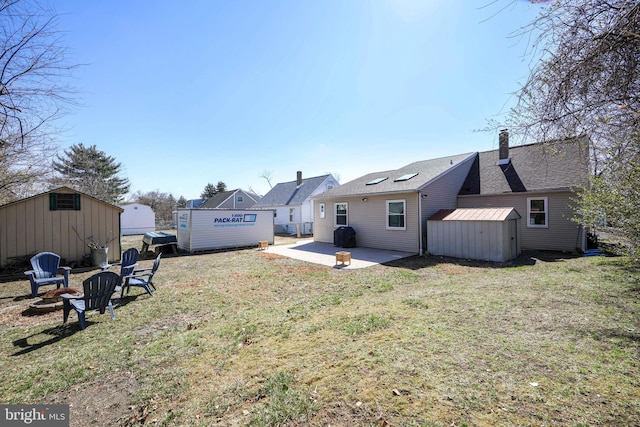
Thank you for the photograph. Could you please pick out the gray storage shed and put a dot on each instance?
(487, 234)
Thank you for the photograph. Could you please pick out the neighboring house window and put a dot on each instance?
(292, 213)
(329, 186)
(321, 210)
(396, 215)
(537, 212)
(64, 202)
(342, 214)
(240, 199)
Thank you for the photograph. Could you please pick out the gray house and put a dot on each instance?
(540, 182)
(232, 199)
(390, 209)
(293, 202)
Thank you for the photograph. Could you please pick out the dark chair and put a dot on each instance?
(45, 267)
(142, 278)
(128, 262)
(129, 257)
(98, 290)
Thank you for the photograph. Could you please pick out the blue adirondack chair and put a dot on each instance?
(142, 278)
(127, 264)
(45, 267)
(98, 290)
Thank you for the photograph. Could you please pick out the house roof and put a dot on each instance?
(532, 167)
(475, 214)
(223, 196)
(59, 189)
(411, 177)
(289, 193)
(216, 200)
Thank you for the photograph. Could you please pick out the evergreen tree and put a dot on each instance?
(209, 191)
(91, 171)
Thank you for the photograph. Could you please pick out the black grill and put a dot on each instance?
(344, 237)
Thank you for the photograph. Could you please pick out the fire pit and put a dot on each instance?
(52, 300)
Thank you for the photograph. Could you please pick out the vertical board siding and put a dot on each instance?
(481, 240)
(563, 234)
(29, 226)
(197, 230)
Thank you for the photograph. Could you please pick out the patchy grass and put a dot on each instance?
(245, 338)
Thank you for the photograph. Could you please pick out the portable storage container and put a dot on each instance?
(210, 229)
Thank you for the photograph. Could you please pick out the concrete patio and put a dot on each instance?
(325, 254)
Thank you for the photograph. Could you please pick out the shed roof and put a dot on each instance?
(61, 189)
(475, 214)
(411, 177)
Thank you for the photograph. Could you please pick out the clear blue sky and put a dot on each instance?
(187, 93)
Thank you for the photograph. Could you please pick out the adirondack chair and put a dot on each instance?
(98, 290)
(45, 267)
(142, 278)
(127, 264)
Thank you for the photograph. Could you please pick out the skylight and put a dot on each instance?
(406, 177)
(377, 181)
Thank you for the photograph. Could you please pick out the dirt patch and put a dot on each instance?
(268, 255)
(104, 401)
(21, 315)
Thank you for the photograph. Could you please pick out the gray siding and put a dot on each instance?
(562, 233)
(442, 192)
(368, 218)
(482, 240)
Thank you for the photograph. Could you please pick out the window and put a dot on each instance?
(64, 202)
(406, 177)
(396, 215)
(377, 180)
(342, 217)
(240, 199)
(321, 210)
(292, 214)
(537, 212)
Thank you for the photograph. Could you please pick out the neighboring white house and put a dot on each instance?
(293, 204)
(137, 219)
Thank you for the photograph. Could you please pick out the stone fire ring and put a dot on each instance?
(52, 300)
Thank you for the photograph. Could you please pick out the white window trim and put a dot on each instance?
(335, 214)
(546, 212)
(322, 210)
(404, 209)
(292, 214)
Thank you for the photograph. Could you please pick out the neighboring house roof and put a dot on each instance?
(475, 214)
(412, 177)
(217, 200)
(289, 193)
(58, 189)
(532, 167)
(223, 196)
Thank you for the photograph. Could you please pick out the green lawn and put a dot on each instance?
(249, 338)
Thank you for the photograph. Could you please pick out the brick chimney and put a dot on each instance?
(299, 178)
(503, 150)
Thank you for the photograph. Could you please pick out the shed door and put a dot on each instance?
(513, 236)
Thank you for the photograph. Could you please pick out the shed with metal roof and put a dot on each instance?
(487, 234)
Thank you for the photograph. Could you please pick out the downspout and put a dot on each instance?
(419, 224)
